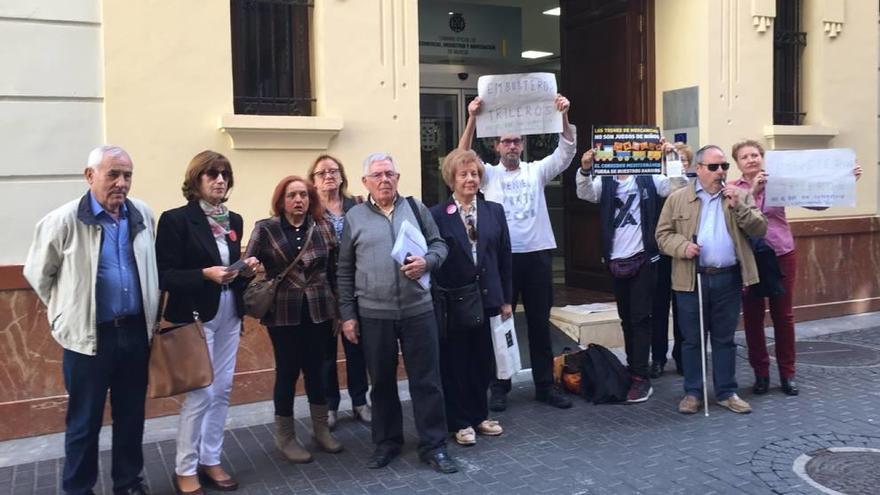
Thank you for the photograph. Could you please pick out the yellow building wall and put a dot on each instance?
(168, 82)
(679, 28)
(725, 54)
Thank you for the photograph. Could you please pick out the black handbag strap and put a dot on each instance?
(415, 209)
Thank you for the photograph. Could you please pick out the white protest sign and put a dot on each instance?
(518, 104)
(810, 178)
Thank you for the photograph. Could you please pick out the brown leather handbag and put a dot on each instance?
(259, 296)
(179, 359)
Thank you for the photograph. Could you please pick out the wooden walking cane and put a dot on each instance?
(702, 332)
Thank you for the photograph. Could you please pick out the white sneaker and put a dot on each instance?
(466, 436)
(490, 428)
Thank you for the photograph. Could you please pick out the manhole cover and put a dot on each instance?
(837, 354)
(844, 470)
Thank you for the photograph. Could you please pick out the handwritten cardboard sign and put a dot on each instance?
(810, 177)
(518, 104)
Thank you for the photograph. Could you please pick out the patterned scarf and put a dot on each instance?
(218, 218)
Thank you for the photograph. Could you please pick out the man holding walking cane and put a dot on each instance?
(721, 218)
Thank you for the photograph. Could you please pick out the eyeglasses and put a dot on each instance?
(471, 227)
(332, 172)
(713, 167)
(390, 175)
(213, 173)
(514, 142)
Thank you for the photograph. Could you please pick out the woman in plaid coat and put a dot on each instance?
(301, 320)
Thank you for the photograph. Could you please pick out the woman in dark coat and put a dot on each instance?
(195, 246)
(479, 252)
(330, 180)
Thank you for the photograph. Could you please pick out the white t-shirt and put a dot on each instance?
(627, 209)
(521, 192)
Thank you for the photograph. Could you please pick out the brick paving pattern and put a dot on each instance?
(606, 449)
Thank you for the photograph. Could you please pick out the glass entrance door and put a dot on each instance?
(440, 130)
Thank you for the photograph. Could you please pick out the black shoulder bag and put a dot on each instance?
(459, 308)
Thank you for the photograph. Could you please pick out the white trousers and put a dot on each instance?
(203, 414)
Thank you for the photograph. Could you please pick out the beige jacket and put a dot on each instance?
(62, 267)
(678, 224)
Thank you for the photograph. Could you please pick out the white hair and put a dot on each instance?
(378, 157)
(698, 157)
(96, 156)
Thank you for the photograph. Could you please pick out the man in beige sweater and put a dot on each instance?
(705, 227)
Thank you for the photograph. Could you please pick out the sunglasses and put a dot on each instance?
(213, 173)
(471, 227)
(713, 167)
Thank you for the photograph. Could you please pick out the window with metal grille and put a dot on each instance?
(788, 48)
(270, 57)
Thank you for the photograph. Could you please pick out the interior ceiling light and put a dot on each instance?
(535, 54)
(552, 12)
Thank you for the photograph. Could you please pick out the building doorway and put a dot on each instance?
(460, 41)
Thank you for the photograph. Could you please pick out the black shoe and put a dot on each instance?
(789, 386)
(762, 385)
(139, 489)
(382, 456)
(441, 462)
(497, 401)
(657, 369)
(554, 397)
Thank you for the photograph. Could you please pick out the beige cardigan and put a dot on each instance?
(62, 267)
(678, 224)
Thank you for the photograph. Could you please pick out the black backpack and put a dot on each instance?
(603, 377)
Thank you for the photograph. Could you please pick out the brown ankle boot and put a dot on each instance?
(323, 437)
(285, 440)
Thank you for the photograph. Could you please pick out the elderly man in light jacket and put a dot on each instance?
(705, 227)
(93, 264)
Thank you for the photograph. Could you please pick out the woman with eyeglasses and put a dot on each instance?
(329, 178)
(197, 247)
(476, 233)
(300, 320)
(749, 157)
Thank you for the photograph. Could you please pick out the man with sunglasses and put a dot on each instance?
(705, 227)
(519, 187)
(629, 207)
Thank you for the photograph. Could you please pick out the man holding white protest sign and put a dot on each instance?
(793, 180)
(519, 187)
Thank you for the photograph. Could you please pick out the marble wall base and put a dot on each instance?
(838, 263)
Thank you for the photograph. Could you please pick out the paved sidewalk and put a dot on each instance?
(645, 448)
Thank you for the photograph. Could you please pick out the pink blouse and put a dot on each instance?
(778, 232)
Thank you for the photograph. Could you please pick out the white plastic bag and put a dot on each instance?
(507, 361)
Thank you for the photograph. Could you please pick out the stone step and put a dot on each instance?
(599, 327)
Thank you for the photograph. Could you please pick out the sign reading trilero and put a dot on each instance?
(810, 177)
(627, 150)
(518, 104)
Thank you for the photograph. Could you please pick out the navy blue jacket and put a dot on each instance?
(650, 206)
(494, 258)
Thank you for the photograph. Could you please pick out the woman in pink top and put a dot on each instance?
(749, 156)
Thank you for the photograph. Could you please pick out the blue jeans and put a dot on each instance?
(120, 366)
(722, 299)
